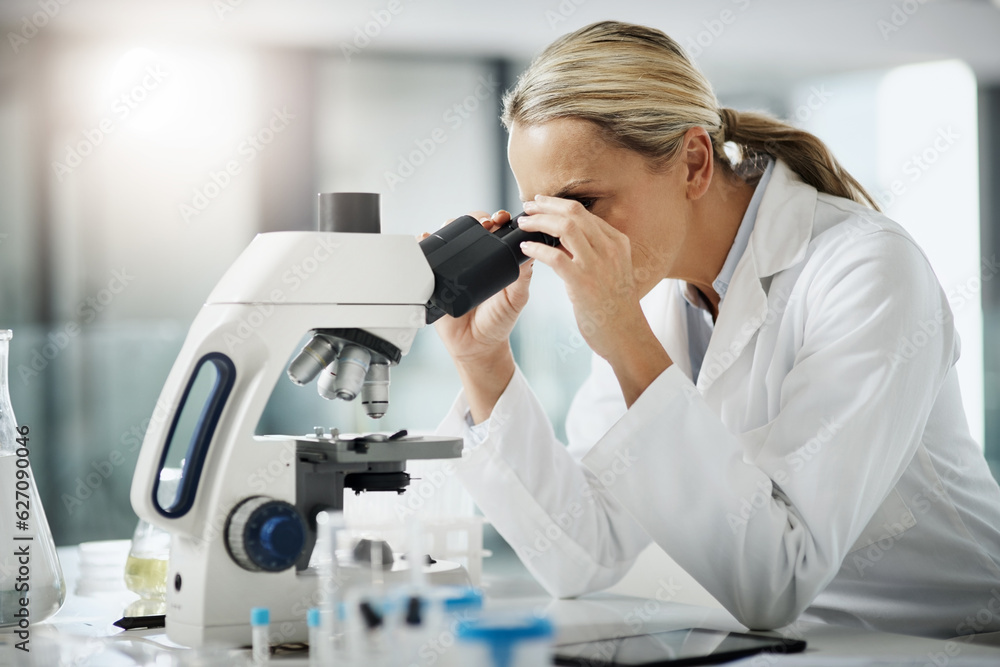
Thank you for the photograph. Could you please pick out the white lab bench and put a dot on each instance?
(82, 633)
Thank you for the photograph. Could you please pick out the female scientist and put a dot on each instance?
(773, 398)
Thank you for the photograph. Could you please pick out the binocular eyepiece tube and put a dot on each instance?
(471, 264)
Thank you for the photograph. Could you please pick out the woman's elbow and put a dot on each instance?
(567, 582)
(768, 619)
(565, 587)
(769, 612)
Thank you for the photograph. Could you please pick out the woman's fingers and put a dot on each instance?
(557, 258)
(576, 228)
(499, 218)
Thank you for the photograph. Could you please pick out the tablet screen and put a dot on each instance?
(679, 647)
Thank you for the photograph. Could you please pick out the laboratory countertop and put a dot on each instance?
(82, 633)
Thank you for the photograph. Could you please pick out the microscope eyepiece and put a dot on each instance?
(471, 264)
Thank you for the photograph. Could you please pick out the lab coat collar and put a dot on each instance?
(779, 240)
(784, 222)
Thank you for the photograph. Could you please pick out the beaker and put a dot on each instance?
(146, 567)
(32, 587)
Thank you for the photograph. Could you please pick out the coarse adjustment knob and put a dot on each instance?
(264, 534)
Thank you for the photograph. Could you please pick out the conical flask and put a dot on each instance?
(31, 581)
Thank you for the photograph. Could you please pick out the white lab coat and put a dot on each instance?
(822, 464)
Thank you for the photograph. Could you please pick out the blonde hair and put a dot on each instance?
(640, 89)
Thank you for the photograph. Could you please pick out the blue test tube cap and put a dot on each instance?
(463, 598)
(504, 629)
(312, 617)
(502, 633)
(260, 616)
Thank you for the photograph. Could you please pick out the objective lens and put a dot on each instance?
(351, 371)
(314, 357)
(326, 384)
(375, 391)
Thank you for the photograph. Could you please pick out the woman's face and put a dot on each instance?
(568, 158)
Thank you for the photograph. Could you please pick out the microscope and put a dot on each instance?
(240, 540)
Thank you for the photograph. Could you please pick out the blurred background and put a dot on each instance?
(144, 144)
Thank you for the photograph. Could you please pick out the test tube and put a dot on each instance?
(329, 524)
(376, 563)
(315, 639)
(415, 555)
(260, 618)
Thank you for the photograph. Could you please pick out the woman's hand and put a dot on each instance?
(594, 260)
(479, 341)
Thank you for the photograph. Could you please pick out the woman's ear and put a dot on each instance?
(697, 162)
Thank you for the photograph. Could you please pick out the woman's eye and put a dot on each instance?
(587, 202)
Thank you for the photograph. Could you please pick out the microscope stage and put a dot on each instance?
(374, 448)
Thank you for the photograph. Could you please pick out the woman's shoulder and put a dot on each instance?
(845, 229)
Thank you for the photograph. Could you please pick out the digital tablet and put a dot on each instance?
(676, 648)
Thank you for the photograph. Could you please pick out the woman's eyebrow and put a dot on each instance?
(571, 186)
(567, 189)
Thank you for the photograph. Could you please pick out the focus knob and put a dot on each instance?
(263, 534)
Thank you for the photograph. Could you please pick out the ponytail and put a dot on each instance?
(803, 152)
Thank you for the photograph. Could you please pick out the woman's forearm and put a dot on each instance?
(485, 380)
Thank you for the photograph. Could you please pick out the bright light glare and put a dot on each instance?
(143, 91)
(929, 174)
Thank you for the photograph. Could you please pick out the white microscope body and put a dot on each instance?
(230, 526)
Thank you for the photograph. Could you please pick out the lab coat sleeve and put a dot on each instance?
(567, 530)
(765, 533)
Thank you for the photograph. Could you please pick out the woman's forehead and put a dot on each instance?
(563, 156)
(554, 157)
